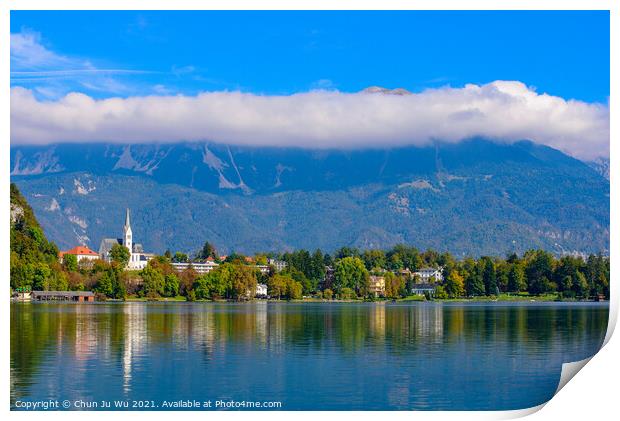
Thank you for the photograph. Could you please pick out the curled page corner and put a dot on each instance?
(568, 372)
(613, 318)
(518, 413)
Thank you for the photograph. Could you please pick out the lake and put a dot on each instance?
(307, 356)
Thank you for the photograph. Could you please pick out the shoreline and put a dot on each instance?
(515, 299)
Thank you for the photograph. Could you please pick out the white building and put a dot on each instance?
(261, 290)
(428, 275)
(138, 259)
(200, 268)
(264, 269)
(279, 265)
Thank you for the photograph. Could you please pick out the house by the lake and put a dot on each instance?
(200, 268)
(376, 285)
(279, 265)
(429, 275)
(261, 290)
(75, 296)
(422, 289)
(82, 253)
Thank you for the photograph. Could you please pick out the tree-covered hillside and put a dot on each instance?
(34, 260)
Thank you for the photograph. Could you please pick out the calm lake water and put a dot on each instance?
(311, 356)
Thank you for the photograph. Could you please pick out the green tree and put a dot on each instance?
(171, 285)
(180, 257)
(346, 293)
(350, 272)
(440, 293)
(153, 282)
(580, 285)
(502, 270)
(70, 263)
(207, 251)
(120, 255)
(293, 290)
(474, 283)
(516, 278)
(106, 283)
(565, 272)
(374, 259)
(539, 271)
(328, 294)
(42, 277)
(488, 275)
(317, 267)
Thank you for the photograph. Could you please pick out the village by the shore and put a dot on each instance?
(348, 276)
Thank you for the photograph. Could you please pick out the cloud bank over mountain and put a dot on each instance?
(502, 110)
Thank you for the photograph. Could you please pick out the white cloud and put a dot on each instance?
(28, 53)
(51, 74)
(502, 110)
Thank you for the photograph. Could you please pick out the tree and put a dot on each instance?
(187, 279)
(59, 281)
(346, 293)
(317, 267)
(69, 262)
(41, 277)
(171, 285)
(539, 271)
(580, 285)
(374, 259)
(154, 282)
(109, 282)
(516, 278)
(276, 286)
(120, 255)
(328, 294)
(243, 282)
(207, 251)
(308, 285)
(440, 293)
(343, 252)
(350, 272)
(565, 272)
(394, 285)
(293, 290)
(502, 270)
(180, 257)
(455, 285)
(474, 283)
(204, 287)
(488, 275)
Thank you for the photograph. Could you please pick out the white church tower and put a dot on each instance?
(127, 237)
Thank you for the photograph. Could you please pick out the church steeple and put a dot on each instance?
(127, 225)
(127, 242)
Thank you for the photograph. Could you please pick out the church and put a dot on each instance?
(137, 257)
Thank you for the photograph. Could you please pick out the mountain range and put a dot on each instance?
(475, 197)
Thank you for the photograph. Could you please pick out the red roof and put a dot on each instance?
(79, 251)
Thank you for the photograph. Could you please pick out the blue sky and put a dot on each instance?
(112, 53)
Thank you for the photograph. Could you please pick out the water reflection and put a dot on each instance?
(309, 356)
